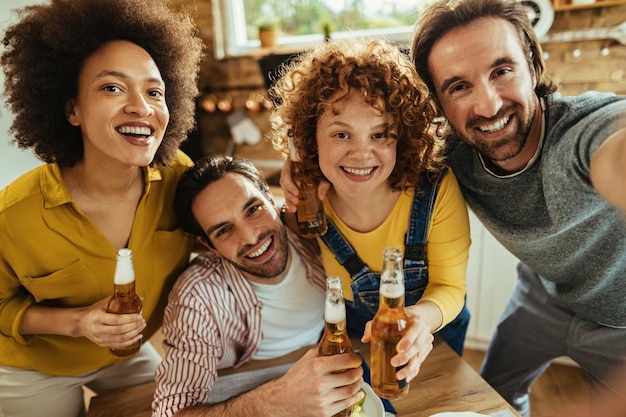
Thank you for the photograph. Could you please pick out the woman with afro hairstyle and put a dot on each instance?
(103, 92)
(358, 114)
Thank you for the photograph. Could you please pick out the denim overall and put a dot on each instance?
(365, 284)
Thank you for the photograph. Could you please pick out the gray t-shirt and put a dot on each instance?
(550, 217)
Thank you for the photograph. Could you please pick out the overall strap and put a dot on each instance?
(344, 252)
(415, 239)
(421, 213)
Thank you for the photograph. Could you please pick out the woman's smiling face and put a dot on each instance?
(357, 149)
(120, 106)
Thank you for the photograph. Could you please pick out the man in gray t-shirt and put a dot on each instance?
(546, 175)
(539, 170)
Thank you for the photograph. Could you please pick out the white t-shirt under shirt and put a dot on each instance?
(292, 314)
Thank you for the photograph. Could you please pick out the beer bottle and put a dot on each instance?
(335, 339)
(388, 327)
(310, 213)
(124, 300)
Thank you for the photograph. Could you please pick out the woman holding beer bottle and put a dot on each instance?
(103, 92)
(359, 115)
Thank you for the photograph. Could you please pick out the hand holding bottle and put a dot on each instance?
(310, 210)
(412, 349)
(312, 387)
(335, 339)
(125, 300)
(291, 191)
(400, 336)
(107, 329)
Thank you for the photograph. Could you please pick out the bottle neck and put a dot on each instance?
(124, 288)
(334, 306)
(124, 269)
(392, 279)
(392, 292)
(335, 339)
(391, 302)
(335, 327)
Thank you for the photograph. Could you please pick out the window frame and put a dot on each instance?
(230, 42)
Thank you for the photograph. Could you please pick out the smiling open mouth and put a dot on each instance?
(260, 251)
(496, 126)
(359, 172)
(135, 131)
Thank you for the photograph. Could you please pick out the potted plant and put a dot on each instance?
(268, 29)
(327, 29)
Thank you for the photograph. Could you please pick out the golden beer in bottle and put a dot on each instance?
(124, 299)
(310, 213)
(335, 339)
(388, 327)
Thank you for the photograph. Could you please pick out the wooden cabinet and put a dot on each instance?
(569, 4)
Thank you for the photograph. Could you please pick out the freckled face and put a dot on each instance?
(357, 150)
(486, 89)
(120, 106)
(243, 226)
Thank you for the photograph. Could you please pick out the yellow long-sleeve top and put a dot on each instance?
(447, 247)
(53, 255)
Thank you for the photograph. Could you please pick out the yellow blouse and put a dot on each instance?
(447, 247)
(54, 255)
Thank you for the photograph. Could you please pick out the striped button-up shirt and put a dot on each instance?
(213, 321)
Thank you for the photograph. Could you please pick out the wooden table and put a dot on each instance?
(445, 383)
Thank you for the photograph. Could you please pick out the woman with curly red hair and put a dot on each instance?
(358, 115)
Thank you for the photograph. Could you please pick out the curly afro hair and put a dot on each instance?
(45, 51)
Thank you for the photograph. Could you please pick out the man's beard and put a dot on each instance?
(493, 150)
(277, 263)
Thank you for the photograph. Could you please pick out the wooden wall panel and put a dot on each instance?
(591, 70)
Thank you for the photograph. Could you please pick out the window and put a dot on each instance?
(302, 22)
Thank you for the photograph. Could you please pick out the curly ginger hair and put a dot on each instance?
(317, 81)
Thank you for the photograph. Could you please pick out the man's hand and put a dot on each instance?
(319, 385)
(315, 386)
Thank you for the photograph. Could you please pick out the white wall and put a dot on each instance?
(13, 161)
(491, 276)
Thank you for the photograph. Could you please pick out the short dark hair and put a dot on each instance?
(204, 172)
(445, 15)
(45, 52)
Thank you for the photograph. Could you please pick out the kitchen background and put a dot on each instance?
(580, 65)
(585, 49)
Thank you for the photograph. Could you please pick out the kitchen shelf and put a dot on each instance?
(567, 4)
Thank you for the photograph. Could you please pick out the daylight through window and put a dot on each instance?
(304, 23)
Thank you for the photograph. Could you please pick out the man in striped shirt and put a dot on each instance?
(258, 293)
